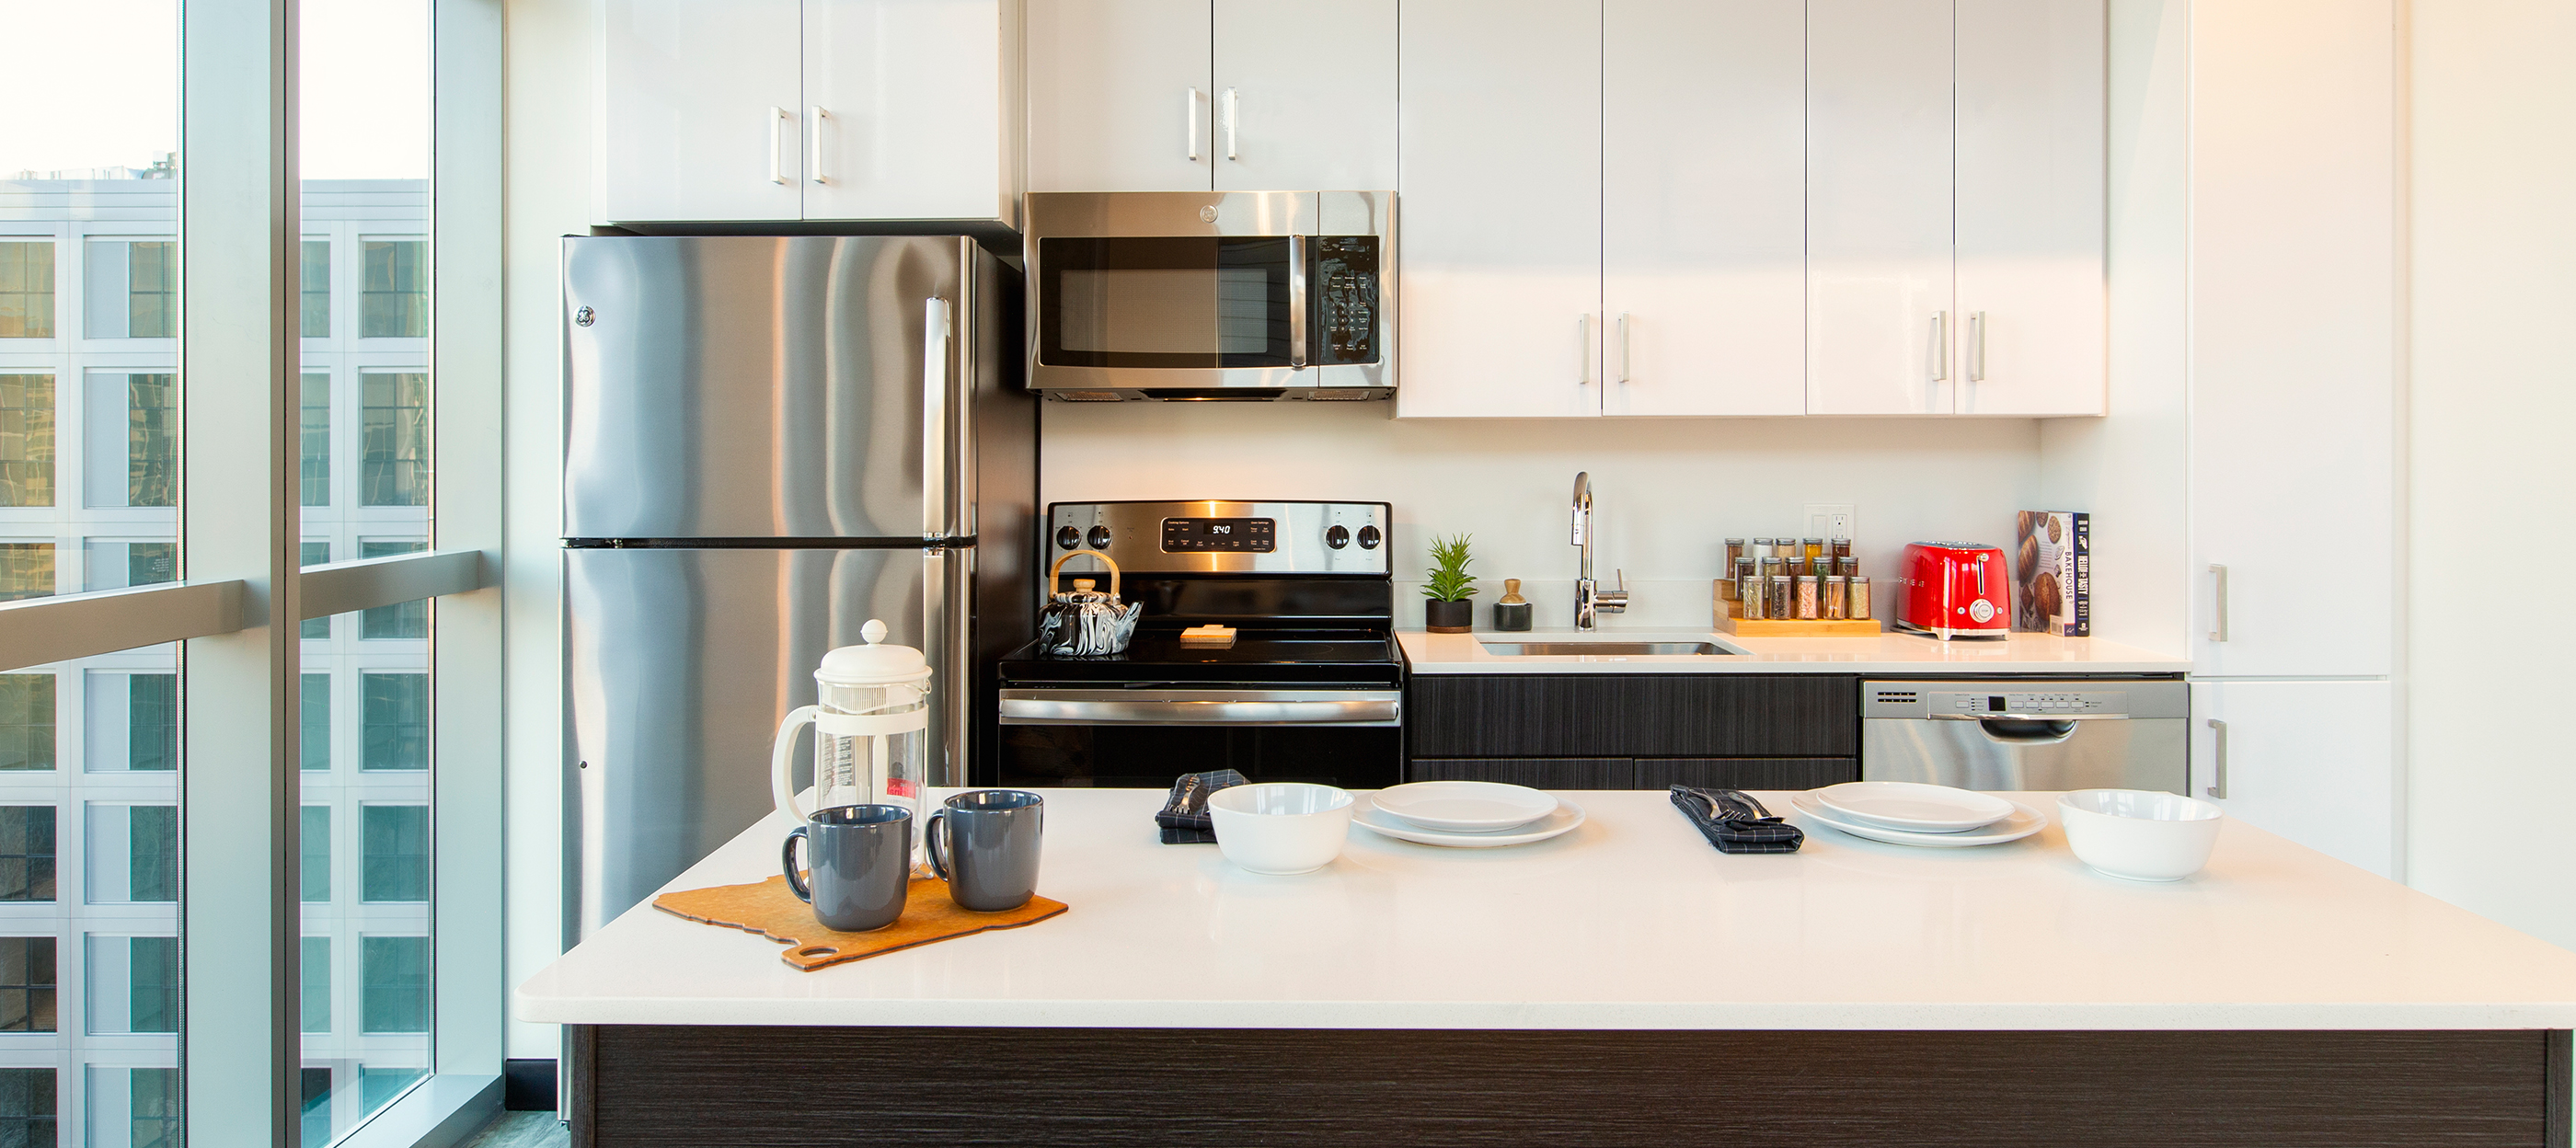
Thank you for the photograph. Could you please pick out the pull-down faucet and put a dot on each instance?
(1590, 600)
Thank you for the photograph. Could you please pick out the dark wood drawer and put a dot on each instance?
(1535, 772)
(1622, 715)
(1746, 772)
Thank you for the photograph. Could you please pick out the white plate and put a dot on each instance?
(1913, 806)
(1566, 816)
(2023, 822)
(1464, 806)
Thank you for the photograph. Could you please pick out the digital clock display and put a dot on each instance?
(1258, 535)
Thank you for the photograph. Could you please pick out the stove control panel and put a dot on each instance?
(1220, 537)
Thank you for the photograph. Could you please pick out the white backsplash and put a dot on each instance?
(1666, 493)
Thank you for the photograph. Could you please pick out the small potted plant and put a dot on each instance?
(1447, 607)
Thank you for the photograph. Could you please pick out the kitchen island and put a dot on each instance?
(1622, 984)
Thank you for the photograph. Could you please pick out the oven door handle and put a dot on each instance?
(1370, 709)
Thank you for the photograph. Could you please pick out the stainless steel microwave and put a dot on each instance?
(1243, 296)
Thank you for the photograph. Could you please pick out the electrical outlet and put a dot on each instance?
(1829, 520)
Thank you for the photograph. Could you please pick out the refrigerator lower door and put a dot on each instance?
(679, 665)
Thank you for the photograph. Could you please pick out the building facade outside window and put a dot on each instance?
(27, 984)
(26, 853)
(26, 289)
(26, 439)
(394, 303)
(313, 276)
(27, 1106)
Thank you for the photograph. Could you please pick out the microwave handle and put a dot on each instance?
(1297, 302)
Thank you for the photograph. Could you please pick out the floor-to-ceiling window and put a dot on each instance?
(104, 492)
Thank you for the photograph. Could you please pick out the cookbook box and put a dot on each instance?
(2053, 573)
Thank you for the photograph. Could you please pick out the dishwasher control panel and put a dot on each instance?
(2025, 699)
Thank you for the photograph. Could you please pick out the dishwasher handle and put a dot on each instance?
(1991, 716)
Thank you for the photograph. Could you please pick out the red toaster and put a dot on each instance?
(1955, 590)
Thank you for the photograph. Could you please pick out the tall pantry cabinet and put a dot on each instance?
(2293, 479)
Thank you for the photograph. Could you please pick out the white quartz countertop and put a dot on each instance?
(1888, 653)
(1632, 921)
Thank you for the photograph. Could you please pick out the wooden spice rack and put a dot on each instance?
(1728, 621)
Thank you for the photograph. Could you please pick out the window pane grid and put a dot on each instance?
(27, 289)
(26, 438)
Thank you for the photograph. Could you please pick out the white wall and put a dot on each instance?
(547, 187)
(2493, 281)
(2127, 469)
(1666, 492)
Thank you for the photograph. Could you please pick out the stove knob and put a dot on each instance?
(1337, 537)
(1068, 537)
(1099, 538)
(1368, 538)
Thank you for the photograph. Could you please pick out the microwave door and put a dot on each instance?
(1168, 302)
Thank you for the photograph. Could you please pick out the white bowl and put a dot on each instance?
(2139, 834)
(1280, 827)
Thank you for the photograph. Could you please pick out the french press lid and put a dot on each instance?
(878, 663)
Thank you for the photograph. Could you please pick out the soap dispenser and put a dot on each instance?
(1513, 611)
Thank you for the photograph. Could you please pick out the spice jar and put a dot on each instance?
(1752, 599)
(1846, 565)
(1810, 591)
(1794, 565)
(1781, 591)
(1842, 550)
(1763, 548)
(1813, 548)
(1737, 575)
(1857, 604)
(1734, 550)
(1837, 596)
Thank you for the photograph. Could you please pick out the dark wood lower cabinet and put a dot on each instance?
(1746, 772)
(1535, 772)
(1641, 772)
(681, 1086)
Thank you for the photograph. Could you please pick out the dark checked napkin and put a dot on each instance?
(1734, 822)
(1184, 818)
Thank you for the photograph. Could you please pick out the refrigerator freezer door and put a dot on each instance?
(679, 665)
(804, 387)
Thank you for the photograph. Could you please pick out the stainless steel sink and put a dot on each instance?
(1604, 649)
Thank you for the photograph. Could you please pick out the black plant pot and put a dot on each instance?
(1457, 617)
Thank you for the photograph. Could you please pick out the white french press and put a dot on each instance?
(871, 731)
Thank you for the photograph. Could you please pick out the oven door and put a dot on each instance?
(1146, 738)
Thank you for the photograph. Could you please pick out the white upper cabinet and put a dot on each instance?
(700, 110)
(1305, 95)
(907, 110)
(1703, 221)
(2293, 256)
(2032, 315)
(1879, 317)
(829, 109)
(1500, 208)
(1120, 95)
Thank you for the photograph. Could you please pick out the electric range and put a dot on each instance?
(1309, 690)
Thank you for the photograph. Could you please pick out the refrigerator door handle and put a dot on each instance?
(941, 419)
(947, 582)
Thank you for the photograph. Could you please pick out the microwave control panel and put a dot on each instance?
(1346, 304)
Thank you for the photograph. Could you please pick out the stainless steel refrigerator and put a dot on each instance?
(767, 442)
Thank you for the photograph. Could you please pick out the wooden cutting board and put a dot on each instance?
(769, 909)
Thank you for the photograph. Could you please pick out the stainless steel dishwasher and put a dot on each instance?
(2023, 734)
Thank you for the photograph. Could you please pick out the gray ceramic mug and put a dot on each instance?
(988, 852)
(862, 861)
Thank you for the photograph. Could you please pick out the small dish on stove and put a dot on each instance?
(1464, 806)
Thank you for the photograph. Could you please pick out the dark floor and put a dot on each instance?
(522, 1130)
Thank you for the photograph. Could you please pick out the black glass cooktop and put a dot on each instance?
(1157, 655)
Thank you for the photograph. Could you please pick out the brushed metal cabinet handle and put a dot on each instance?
(1976, 346)
(814, 116)
(2218, 618)
(1623, 348)
(777, 145)
(1583, 350)
(1940, 346)
(1230, 127)
(1190, 122)
(2218, 761)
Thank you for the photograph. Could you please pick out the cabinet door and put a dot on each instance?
(1879, 322)
(1305, 95)
(1746, 772)
(699, 115)
(1501, 142)
(2310, 761)
(2294, 239)
(903, 110)
(1703, 185)
(1118, 95)
(2032, 310)
(1535, 772)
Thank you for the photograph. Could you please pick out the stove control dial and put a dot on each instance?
(1068, 537)
(1099, 538)
(1369, 538)
(1339, 536)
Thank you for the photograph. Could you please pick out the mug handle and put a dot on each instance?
(930, 843)
(782, 764)
(787, 860)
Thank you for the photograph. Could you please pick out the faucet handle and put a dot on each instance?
(1613, 601)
